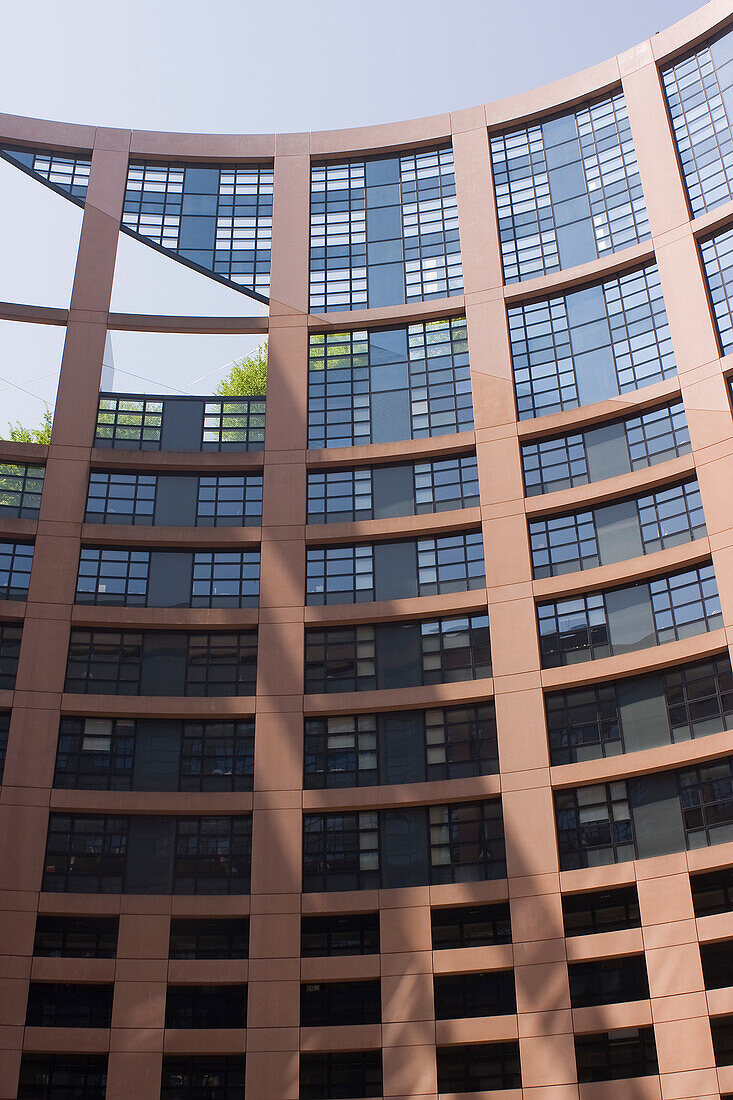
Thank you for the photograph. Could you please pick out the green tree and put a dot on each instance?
(41, 434)
(248, 376)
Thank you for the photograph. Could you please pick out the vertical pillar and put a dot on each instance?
(543, 999)
(31, 753)
(274, 969)
(679, 1010)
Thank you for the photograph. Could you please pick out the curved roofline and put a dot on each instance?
(362, 140)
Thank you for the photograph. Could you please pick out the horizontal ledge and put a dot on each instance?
(98, 616)
(387, 700)
(452, 604)
(428, 793)
(404, 450)
(196, 707)
(636, 663)
(167, 803)
(170, 538)
(621, 486)
(587, 416)
(397, 527)
(184, 461)
(139, 322)
(567, 279)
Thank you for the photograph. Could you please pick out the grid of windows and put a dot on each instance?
(680, 605)
(338, 253)
(226, 579)
(590, 344)
(75, 937)
(594, 825)
(95, 754)
(467, 842)
(10, 636)
(616, 1055)
(217, 218)
(567, 190)
(339, 574)
(205, 1077)
(479, 1067)
(132, 422)
(217, 756)
(601, 911)
(455, 649)
(85, 854)
(384, 232)
(654, 436)
(664, 518)
(450, 563)
(20, 489)
(63, 1076)
(454, 843)
(668, 517)
(16, 559)
(212, 855)
(698, 90)
(206, 1006)
(341, 1075)
(112, 576)
(583, 724)
(365, 749)
(430, 226)
(121, 497)
(229, 500)
(221, 664)
(471, 926)
(335, 496)
(234, 425)
(341, 658)
(199, 938)
(717, 259)
(104, 662)
(608, 981)
(685, 604)
(706, 794)
(350, 934)
(65, 173)
(384, 385)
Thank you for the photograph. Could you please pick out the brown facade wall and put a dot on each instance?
(678, 1008)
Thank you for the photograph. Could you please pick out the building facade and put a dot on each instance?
(372, 739)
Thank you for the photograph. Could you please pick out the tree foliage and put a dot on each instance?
(41, 434)
(248, 376)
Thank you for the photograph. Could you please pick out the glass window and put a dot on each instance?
(229, 500)
(335, 1004)
(685, 604)
(340, 658)
(56, 1004)
(608, 981)
(61, 1076)
(567, 189)
(10, 635)
(135, 423)
(590, 344)
(339, 574)
(616, 1055)
(717, 258)
(467, 842)
(234, 425)
(104, 662)
(712, 892)
(221, 664)
(471, 926)
(85, 854)
(4, 730)
(121, 497)
(450, 563)
(214, 1007)
(16, 559)
(479, 1067)
(340, 851)
(594, 825)
(573, 630)
(722, 1033)
(430, 226)
(455, 649)
(60, 936)
(341, 1075)
(460, 996)
(64, 172)
(446, 483)
(20, 489)
(563, 544)
(706, 794)
(205, 1077)
(699, 698)
(671, 516)
(217, 756)
(212, 855)
(698, 89)
(440, 378)
(657, 435)
(112, 576)
(601, 911)
(348, 934)
(199, 938)
(226, 579)
(335, 496)
(215, 217)
(95, 754)
(338, 271)
(717, 964)
(583, 724)
(341, 751)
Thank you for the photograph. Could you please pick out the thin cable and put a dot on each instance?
(153, 381)
(22, 389)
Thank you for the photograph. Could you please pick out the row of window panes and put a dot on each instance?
(137, 423)
(221, 499)
(219, 578)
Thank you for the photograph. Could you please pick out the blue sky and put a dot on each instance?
(188, 66)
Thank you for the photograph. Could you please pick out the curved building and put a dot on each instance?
(373, 739)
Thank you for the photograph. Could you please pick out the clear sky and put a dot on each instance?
(237, 66)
